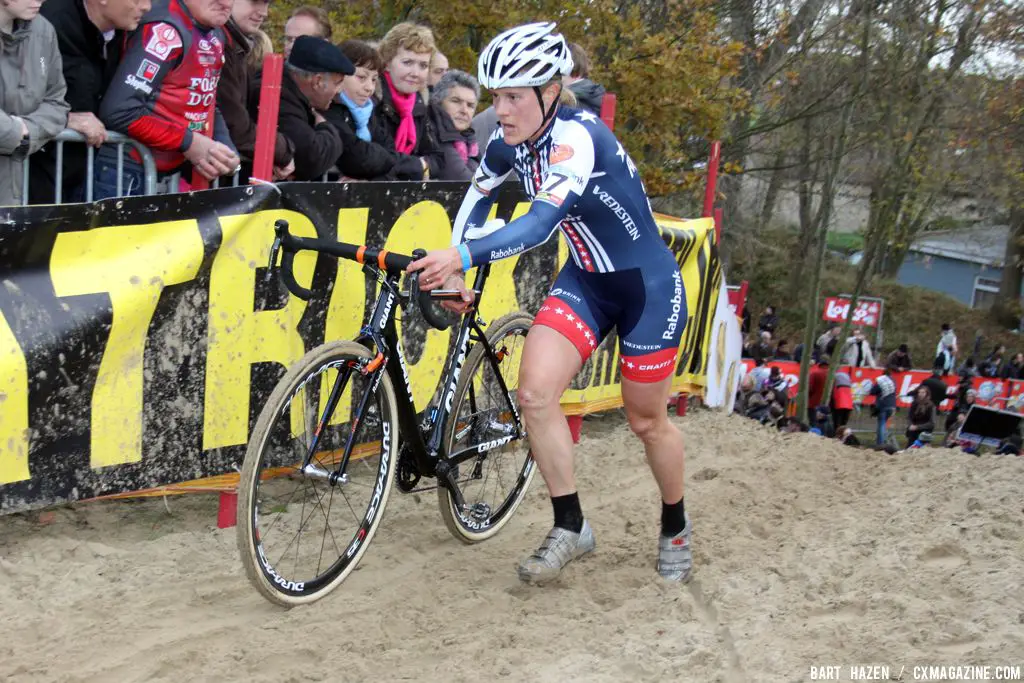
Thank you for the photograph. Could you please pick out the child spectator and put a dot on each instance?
(782, 351)
(352, 115)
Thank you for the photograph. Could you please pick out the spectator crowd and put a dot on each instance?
(182, 78)
(763, 392)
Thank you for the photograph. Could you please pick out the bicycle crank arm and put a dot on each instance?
(446, 473)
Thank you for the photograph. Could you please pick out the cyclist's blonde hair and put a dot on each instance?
(407, 35)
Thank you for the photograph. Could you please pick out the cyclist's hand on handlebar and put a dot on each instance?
(460, 307)
(437, 267)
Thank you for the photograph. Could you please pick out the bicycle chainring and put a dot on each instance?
(408, 474)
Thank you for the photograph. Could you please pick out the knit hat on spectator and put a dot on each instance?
(319, 56)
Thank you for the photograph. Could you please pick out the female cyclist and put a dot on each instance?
(622, 275)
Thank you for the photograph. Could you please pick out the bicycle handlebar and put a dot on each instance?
(392, 263)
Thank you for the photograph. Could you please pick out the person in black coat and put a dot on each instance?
(233, 87)
(88, 61)
(351, 114)
(406, 51)
(769, 321)
(452, 105)
(312, 79)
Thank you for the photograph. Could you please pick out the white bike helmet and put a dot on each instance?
(526, 56)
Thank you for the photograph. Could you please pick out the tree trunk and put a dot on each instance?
(1006, 309)
(805, 193)
(771, 195)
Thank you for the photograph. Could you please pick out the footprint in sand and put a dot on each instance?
(945, 556)
(706, 474)
(838, 613)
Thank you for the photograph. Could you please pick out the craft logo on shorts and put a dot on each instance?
(148, 70)
(163, 40)
(560, 153)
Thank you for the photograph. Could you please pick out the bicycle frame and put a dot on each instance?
(426, 442)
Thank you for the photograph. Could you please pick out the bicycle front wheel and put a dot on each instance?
(494, 482)
(303, 525)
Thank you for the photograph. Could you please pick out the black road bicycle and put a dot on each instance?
(335, 435)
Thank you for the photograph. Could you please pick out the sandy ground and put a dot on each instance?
(808, 554)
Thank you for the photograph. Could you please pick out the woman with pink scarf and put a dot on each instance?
(400, 119)
(452, 106)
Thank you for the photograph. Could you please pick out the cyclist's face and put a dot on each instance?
(519, 113)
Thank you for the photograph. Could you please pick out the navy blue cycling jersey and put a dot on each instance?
(580, 179)
(622, 274)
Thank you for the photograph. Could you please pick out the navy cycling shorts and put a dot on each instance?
(647, 306)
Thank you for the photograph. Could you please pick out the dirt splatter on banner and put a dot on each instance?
(139, 337)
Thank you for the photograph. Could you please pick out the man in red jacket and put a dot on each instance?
(163, 94)
(816, 386)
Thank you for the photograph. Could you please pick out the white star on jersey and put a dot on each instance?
(586, 117)
(621, 153)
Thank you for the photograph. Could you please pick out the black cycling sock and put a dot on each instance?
(568, 514)
(673, 518)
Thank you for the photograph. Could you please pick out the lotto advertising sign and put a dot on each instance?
(139, 337)
(867, 313)
(998, 393)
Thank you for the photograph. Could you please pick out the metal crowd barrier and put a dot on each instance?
(68, 135)
(151, 184)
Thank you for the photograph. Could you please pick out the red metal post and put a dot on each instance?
(682, 400)
(712, 186)
(266, 122)
(227, 510)
(575, 426)
(608, 103)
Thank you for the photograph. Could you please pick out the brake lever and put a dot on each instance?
(273, 258)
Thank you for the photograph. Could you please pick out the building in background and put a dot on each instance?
(966, 264)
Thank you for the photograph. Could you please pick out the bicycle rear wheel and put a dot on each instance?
(494, 482)
(301, 532)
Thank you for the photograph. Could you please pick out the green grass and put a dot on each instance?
(913, 315)
(845, 242)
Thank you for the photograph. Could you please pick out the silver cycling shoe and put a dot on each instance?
(675, 559)
(559, 549)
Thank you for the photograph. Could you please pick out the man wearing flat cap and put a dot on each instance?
(313, 75)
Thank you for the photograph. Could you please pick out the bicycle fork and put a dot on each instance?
(338, 476)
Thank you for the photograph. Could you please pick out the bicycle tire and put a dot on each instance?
(481, 527)
(266, 578)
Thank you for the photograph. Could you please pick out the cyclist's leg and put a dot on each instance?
(564, 333)
(649, 344)
(550, 361)
(646, 406)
